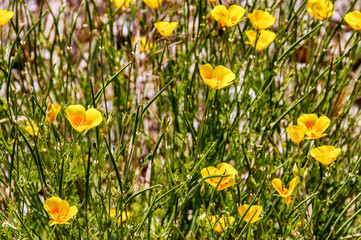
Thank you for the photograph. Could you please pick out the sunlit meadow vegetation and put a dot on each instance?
(169, 119)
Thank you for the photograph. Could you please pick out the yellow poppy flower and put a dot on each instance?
(315, 126)
(325, 154)
(59, 210)
(212, 1)
(221, 224)
(321, 9)
(265, 38)
(82, 120)
(218, 78)
(51, 113)
(354, 20)
(32, 129)
(284, 192)
(229, 17)
(256, 210)
(153, 3)
(5, 16)
(222, 169)
(122, 3)
(165, 28)
(261, 20)
(112, 214)
(144, 43)
(296, 133)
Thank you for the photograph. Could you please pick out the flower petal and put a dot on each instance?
(93, 118)
(277, 184)
(75, 114)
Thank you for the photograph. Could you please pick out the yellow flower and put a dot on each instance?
(218, 78)
(256, 210)
(52, 112)
(265, 38)
(354, 19)
(325, 154)
(145, 45)
(296, 133)
(221, 224)
(122, 3)
(82, 120)
(32, 129)
(314, 125)
(212, 1)
(321, 9)
(261, 20)
(112, 214)
(59, 210)
(222, 169)
(284, 192)
(153, 3)
(5, 16)
(229, 17)
(165, 28)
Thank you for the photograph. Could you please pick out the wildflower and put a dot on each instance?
(321, 9)
(229, 17)
(112, 214)
(221, 224)
(145, 45)
(51, 113)
(153, 3)
(221, 182)
(82, 120)
(354, 20)
(296, 133)
(165, 28)
(32, 129)
(59, 210)
(5, 16)
(325, 154)
(212, 1)
(315, 126)
(253, 213)
(284, 192)
(261, 20)
(122, 3)
(218, 78)
(265, 38)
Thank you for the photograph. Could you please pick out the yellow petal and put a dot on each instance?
(76, 115)
(52, 204)
(261, 20)
(354, 19)
(73, 210)
(322, 124)
(307, 120)
(5, 16)
(294, 182)
(153, 3)
(165, 28)
(325, 154)
(93, 118)
(52, 113)
(220, 14)
(321, 9)
(288, 201)
(235, 14)
(277, 184)
(296, 133)
(254, 211)
(224, 76)
(206, 71)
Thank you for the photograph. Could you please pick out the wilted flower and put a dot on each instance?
(229, 17)
(32, 129)
(284, 192)
(314, 125)
(122, 3)
(325, 154)
(254, 211)
(82, 120)
(51, 113)
(261, 20)
(296, 133)
(165, 28)
(218, 78)
(221, 182)
(265, 38)
(354, 20)
(59, 210)
(321, 9)
(5, 16)
(144, 43)
(112, 214)
(221, 224)
(153, 3)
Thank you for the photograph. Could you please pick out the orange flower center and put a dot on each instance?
(79, 122)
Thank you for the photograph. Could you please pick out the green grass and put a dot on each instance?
(162, 124)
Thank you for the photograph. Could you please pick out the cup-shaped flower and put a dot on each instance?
(143, 42)
(261, 20)
(122, 3)
(165, 28)
(354, 20)
(32, 129)
(315, 126)
(253, 213)
(153, 3)
(221, 182)
(123, 218)
(221, 224)
(51, 113)
(59, 210)
(296, 133)
(325, 154)
(265, 38)
(82, 120)
(284, 192)
(321, 9)
(218, 78)
(5, 16)
(228, 17)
